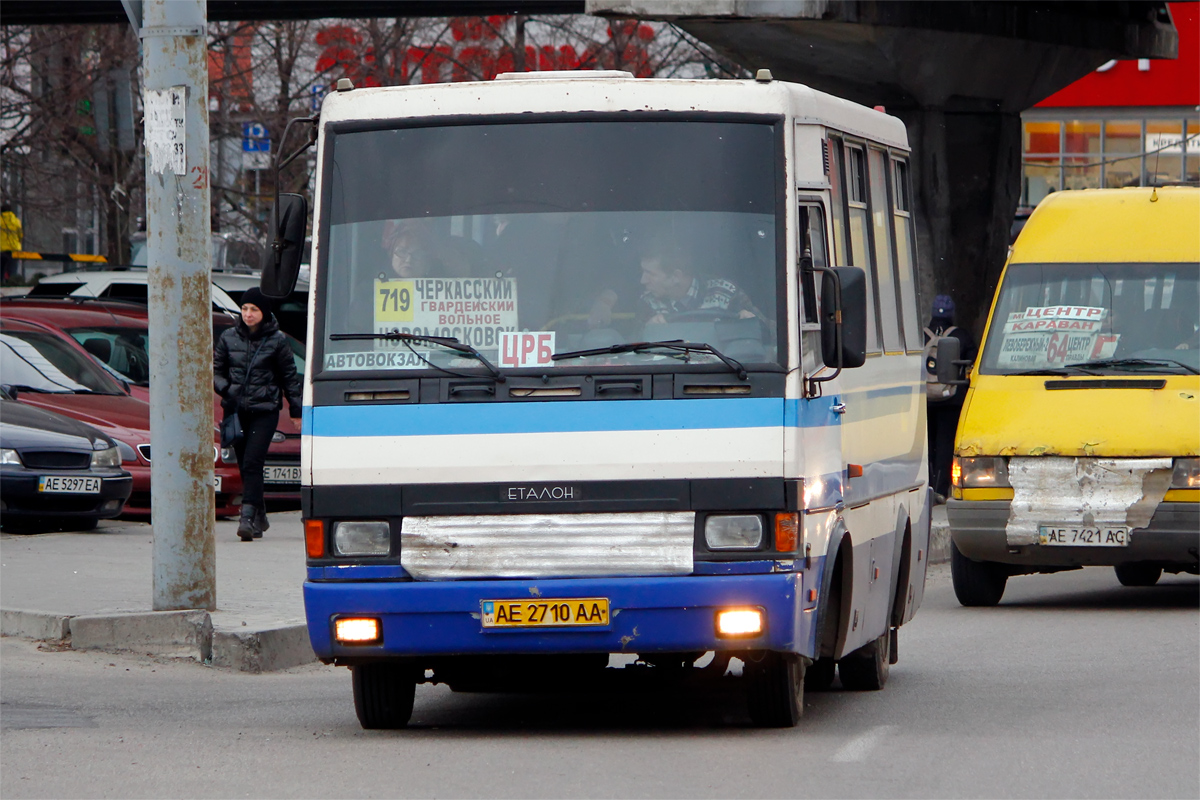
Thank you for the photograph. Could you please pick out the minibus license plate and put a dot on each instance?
(552, 613)
(62, 483)
(1083, 536)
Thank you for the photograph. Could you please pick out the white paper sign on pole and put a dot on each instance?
(166, 126)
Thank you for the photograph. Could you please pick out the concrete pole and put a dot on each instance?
(175, 61)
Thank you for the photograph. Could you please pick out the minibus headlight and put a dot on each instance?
(740, 532)
(1186, 474)
(981, 472)
(359, 538)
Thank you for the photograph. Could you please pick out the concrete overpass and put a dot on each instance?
(958, 74)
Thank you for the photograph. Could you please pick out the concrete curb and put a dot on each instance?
(262, 650)
(939, 544)
(175, 634)
(41, 625)
(171, 634)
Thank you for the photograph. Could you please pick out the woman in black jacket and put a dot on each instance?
(253, 369)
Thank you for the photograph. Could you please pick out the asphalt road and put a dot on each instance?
(1073, 687)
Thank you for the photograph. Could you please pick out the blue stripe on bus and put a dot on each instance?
(571, 417)
(567, 417)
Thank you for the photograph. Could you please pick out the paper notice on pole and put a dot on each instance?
(166, 126)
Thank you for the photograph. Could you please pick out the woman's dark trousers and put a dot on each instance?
(251, 449)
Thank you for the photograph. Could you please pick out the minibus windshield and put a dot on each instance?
(1096, 318)
(524, 240)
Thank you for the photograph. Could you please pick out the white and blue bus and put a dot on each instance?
(603, 365)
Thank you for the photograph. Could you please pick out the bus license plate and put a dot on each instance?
(281, 474)
(565, 612)
(63, 484)
(1083, 536)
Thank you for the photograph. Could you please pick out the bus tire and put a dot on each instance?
(976, 583)
(775, 692)
(867, 668)
(383, 695)
(819, 675)
(1138, 574)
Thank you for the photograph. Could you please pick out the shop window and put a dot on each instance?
(1122, 137)
(1164, 151)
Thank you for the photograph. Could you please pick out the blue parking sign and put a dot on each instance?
(255, 138)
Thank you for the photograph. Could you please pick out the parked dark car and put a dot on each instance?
(56, 471)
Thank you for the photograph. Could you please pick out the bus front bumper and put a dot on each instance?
(646, 615)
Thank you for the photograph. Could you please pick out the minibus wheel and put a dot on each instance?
(1138, 574)
(775, 690)
(383, 694)
(976, 583)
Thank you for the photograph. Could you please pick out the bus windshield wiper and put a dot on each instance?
(677, 345)
(1135, 364)
(448, 342)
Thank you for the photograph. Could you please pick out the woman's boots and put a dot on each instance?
(248, 525)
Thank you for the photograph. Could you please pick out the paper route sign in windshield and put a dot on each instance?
(475, 311)
(1055, 335)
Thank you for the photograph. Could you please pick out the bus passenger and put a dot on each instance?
(672, 288)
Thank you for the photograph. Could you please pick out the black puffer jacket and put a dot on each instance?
(260, 386)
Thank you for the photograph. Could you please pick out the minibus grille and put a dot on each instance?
(547, 545)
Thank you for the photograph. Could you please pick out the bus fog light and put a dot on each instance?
(357, 630)
(740, 622)
(360, 538)
(741, 532)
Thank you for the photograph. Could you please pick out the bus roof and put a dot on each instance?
(612, 92)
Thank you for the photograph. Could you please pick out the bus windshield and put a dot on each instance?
(1097, 317)
(526, 240)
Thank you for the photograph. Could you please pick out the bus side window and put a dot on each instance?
(859, 225)
(812, 244)
(905, 255)
(837, 201)
(881, 234)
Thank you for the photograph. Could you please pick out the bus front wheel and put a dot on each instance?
(383, 695)
(775, 691)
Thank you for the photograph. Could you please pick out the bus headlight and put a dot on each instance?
(733, 532)
(360, 538)
(984, 472)
(1186, 474)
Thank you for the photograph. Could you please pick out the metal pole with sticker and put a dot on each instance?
(175, 63)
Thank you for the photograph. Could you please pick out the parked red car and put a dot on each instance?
(115, 333)
(42, 367)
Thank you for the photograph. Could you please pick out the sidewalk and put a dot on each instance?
(95, 590)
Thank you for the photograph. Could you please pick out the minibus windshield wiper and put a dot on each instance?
(1135, 364)
(1057, 372)
(678, 345)
(448, 342)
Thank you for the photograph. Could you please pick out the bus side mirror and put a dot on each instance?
(949, 364)
(843, 317)
(281, 261)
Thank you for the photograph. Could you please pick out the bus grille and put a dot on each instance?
(547, 545)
